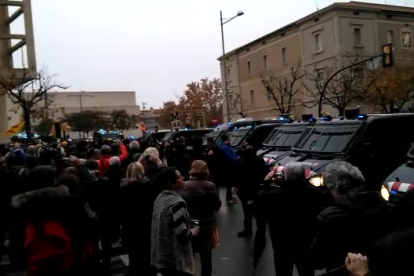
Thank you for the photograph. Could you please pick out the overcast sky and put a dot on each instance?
(152, 47)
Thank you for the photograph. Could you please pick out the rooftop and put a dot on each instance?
(352, 5)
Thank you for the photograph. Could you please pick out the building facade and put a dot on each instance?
(329, 38)
(60, 103)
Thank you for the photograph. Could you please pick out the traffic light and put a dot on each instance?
(387, 55)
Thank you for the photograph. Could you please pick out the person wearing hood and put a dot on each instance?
(202, 201)
(357, 220)
(45, 202)
(291, 212)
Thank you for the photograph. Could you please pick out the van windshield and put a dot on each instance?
(411, 152)
(238, 136)
(168, 136)
(284, 136)
(326, 138)
(214, 135)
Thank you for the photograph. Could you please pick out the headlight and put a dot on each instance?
(385, 193)
(316, 181)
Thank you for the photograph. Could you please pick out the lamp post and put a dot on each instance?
(222, 22)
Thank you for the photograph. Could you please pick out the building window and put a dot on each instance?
(318, 43)
(357, 37)
(265, 65)
(228, 71)
(284, 55)
(9, 118)
(406, 39)
(390, 36)
(231, 104)
(269, 96)
(249, 67)
(252, 96)
(319, 80)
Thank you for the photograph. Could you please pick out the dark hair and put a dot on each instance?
(165, 178)
(225, 138)
(91, 165)
(69, 180)
(42, 177)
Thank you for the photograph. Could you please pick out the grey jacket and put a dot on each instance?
(171, 236)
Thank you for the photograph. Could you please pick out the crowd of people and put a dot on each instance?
(64, 206)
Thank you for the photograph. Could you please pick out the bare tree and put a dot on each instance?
(236, 107)
(27, 90)
(283, 90)
(340, 87)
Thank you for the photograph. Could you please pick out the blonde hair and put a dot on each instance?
(199, 168)
(150, 151)
(135, 172)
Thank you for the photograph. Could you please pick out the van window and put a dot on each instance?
(328, 138)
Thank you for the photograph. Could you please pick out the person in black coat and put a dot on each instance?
(251, 171)
(354, 223)
(203, 201)
(137, 199)
(290, 208)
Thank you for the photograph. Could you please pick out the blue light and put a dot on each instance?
(114, 132)
(281, 119)
(250, 126)
(228, 123)
(235, 128)
(132, 137)
(186, 129)
(327, 118)
(394, 192)
(312, 120)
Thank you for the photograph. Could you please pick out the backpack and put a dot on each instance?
(48, 248)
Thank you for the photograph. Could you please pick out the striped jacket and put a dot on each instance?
(171, 236)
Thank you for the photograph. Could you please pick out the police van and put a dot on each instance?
(257, 133)
(280, 141)
(401, 180)
(376, 144)
(223, 129)
(188, 134)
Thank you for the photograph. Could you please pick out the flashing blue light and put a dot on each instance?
(228, 123)
(19, 135)
(311, 119)
(362, 117)
(327, 118)
(394, 192)
(281, 119)
(235, 128)
(186, 129)
(132, 137)
(250, 126)
(114, 132)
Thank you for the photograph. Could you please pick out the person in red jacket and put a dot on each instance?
(103, 161)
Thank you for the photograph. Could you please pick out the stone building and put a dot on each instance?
(328, 38)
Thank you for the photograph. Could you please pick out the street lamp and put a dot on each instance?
(222, 22)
